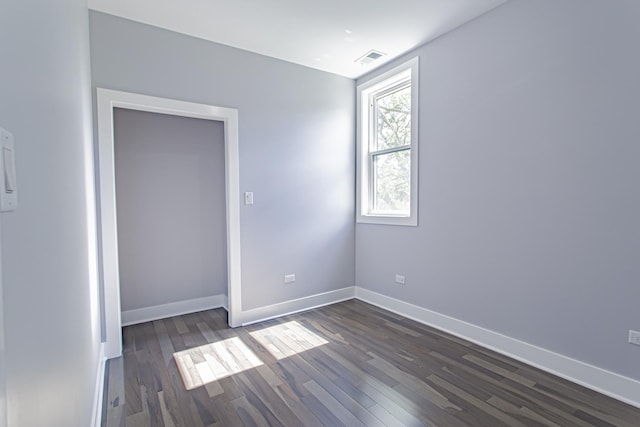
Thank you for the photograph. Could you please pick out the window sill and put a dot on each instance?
(387, 220)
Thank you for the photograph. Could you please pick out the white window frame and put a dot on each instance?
(364, 179)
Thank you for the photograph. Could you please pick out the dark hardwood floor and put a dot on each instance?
(347, 364)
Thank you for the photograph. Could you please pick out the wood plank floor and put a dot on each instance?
(348, 364)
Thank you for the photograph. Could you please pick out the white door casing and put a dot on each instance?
(107, 100)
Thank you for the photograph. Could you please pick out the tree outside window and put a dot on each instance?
(387, 159)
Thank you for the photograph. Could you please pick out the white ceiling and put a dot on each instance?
(329, 35)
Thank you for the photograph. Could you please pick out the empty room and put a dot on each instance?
(335, 213)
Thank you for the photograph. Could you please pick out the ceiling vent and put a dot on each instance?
(369, 57)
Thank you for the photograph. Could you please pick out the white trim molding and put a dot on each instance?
(163, 311)
(364, 182)
(98, 395)
(608, 383)
(107, 100)
(296, 305)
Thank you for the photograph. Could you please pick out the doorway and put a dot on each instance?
(170, 205)
(107, 101)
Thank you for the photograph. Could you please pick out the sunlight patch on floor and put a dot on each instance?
(208, 363)
(287, 339)
(202, 365)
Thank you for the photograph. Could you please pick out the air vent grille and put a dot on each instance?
(369, 57)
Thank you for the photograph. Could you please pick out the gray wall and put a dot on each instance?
(529, 195)
(296, 135)
(48, 244)
(170, 192)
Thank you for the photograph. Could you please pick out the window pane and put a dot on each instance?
(393, 119)
(392, 182)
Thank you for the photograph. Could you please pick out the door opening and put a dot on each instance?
(107, 101)
(171, 214)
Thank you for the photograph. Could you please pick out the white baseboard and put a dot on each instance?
(98, 394)
(608, 383)
(147, 314)
(297, 305)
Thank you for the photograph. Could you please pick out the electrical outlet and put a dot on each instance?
(289, 278)
(399, 279)
(634, 337)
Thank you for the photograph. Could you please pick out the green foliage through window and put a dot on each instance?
(390, 149)
(387, 163)
(393, 119)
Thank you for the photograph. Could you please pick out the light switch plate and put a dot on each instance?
(8, 184)
(248, 197)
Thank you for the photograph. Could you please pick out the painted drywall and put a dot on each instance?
(296, 134)
(51, 315)
(3, 376)
(529, 196)
(170, 199)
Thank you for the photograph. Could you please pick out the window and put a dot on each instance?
(388, 147)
